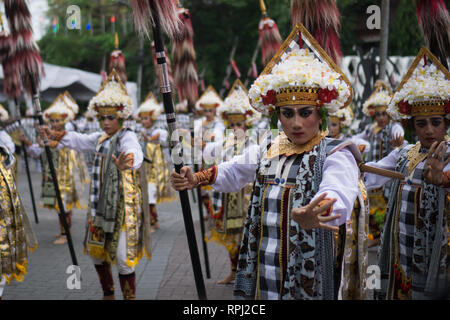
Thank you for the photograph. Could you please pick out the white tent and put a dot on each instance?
(82, 85)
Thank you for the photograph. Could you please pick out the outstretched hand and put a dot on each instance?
(123, 162)
(312, 215)
(397, 141)
(434, 166)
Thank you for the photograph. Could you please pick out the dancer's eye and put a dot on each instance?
(288, 113)
(436, 122)
(305, 112)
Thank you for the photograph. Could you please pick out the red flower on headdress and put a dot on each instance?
(248, 112)
(447, 107)
(404, 107)
(64, 115)
(371, 111)
(269, 98)
(326, 95)
(96, 108)
(120, 108)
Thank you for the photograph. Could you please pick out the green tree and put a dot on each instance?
(216, 24)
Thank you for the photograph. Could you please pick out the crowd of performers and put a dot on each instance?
(280, 171)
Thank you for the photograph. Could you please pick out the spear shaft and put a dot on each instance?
(171, 123)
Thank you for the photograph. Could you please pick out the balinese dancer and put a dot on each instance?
(212, 131)
(71, 171)
(413, 255)
(229, 209)
(351, 246)
(89, 125)
(117, 230)
(71, 125)
(383, 136)
(158, 174)
(305, 184)
(16, 234)
(5, 138)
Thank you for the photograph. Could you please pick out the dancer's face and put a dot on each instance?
(382, 118)
(209, 114)
(146, 121)
(109, 123)
(334, 127)
(57, 124)
(300, 123)
(430, 129)
(238, 127)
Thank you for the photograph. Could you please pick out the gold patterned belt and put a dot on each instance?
(377, 190)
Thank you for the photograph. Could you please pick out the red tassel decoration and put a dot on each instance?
(166, 11)
(235, 69)
(24, 55)
(434, 22)
(321, 18)
(269, 36)
(183, 55)
(117, 61)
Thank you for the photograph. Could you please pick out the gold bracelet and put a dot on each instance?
(206, 177)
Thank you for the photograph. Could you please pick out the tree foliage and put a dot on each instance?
(216, 25)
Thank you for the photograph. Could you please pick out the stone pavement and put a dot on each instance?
(168, 276)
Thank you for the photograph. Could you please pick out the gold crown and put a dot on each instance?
(145, 114)
(235, 116)
(296, 95)
(57, 116)
(379, 108)
(106, 110)
(428, 108)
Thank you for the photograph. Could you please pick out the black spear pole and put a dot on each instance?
(62, 214)
(25, 157)
(199, 196)
(171, 123)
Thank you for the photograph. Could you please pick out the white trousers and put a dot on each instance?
(2, 284)
(151, 193)
(121, 256)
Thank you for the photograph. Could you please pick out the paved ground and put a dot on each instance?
(168, 276)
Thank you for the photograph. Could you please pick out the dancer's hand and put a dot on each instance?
(434, 166)
(312, 215)
(397, 141)
(44, 131)
(124, 162)
(183, 180)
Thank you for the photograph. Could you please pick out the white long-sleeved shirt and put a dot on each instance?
(7, 141)
(339, 178)
(88, 142)
(373, 181)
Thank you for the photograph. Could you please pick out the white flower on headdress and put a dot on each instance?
(209, 97)
(426, 83)
(380, 98)
(150, 105)
(345, 115)
(237, 102)
(300, 68)
(72, 105)
(59, 107)
(3, 114)
(112, 95)
(182, 107)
